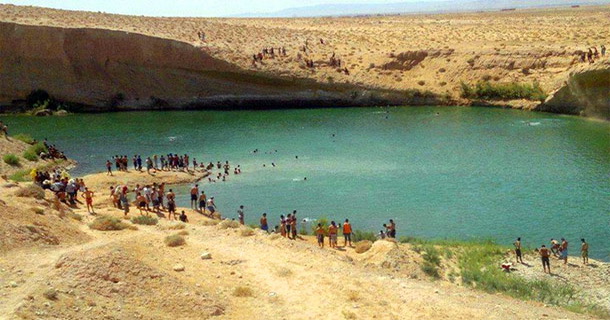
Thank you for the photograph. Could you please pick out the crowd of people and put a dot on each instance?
(592, 54)
(558, 249)
(268, 53)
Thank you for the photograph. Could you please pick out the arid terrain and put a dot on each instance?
(54, 266)
(433, 53)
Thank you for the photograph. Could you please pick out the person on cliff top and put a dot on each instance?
(564, 250)
(347, 233)
(108, 168)
(141, 201)
(288, 224)
(391, 229)
(171, 204)
(517, 245)
(194, 193)
(264, 224)
(240, 215)
(544, 255)
(211, 205)
(332, 234)
(149, 165)
(124, 202)
(293, 225)
(555, 247)
(320, 235)
(139, 163)
(88, 195)
(202, 201)
(183, 217)
(584, 251)
(603, 49)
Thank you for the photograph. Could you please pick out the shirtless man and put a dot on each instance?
(332, 234)
(203, 199)
(109, 168)
(517, 245)
(545, 253)
(171, 204)
(194, 193)
(88, 195)
(264, 224)
(584, 251)
(320, 235)
(240, 215)
(564, 250)
(141, 201)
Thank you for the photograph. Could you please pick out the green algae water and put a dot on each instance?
(458, 173)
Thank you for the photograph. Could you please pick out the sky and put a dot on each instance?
(187, 8)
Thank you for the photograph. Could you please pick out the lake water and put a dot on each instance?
(462, 173)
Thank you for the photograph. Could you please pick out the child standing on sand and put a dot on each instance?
(320, 235)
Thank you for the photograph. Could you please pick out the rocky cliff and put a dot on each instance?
(102, 70)
(586, 92)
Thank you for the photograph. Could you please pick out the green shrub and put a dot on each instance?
(30, 156)
(21, 176)
(323, 221)
(430, 269)
(174, 240)
(25, 138)
(31, 191)
(432, 261)
(363, 235)
(107, 223)
(502, 91)
(145, 220)
(11, 159)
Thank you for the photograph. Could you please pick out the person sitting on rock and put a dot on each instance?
(183, 217)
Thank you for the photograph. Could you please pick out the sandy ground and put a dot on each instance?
(130, 274)
(427, 52)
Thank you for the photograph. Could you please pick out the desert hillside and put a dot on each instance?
(112, 61)
(53, 265)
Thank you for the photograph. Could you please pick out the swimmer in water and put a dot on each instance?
(305, 179)
(296, 157)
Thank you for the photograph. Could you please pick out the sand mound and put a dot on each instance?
(389, 255)
(113, 284)
(30, 222)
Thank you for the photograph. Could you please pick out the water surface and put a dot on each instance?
(438, 172)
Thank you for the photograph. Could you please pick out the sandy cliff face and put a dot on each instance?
(586, 92)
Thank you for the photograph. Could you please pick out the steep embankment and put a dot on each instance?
(104, 70)
(586, 92)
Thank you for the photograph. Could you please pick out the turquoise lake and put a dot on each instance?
(439, 172)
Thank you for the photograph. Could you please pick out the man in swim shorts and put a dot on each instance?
(332, 234)
(584, 251)
(88, 195)
(320, 235)
(564, 250)
(171, 204)
(544, 255)
(240, 215)
(202, 201)
(517, 245)
(194, 194)
(264, 224)
(347, 233)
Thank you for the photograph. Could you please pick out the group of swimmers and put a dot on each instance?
(558, 249)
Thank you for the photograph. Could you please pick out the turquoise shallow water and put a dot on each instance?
(462, 173)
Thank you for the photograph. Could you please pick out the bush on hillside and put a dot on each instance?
(25, 138)
(174, 240)
(107, 223)
(30, 156)
(502, 91)
(11, 159)
(144, 220)
(226, 224)
(246, 232)
(243, 292)
(31, 191)
(363, 235)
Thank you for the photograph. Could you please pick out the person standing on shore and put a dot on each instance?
(283, 226)
(211, 205)
(584, 251)
(544, 255)
(194, 193)
(332, 234)
(264, 224)
(171, 204)
(109, 168)
(288, 224)
(202, 201)
(240, 215)
(347, 233)
(564, 250)
(517, 245)
(293, 225)
(555, 247)
(88, 195)
(320, 235)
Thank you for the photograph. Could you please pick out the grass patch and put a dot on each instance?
(20, 176)
(502, 91)
(210, 222)
(107, 223)
(243, 292)
(364, 235)
(144, 220)
(11, 159)
(353, 295)
(76, 216)
(34, 150)
(183, 233)
(31, 191)
(432, 261)
(50, 294)
(174, 240)
(25, 138)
